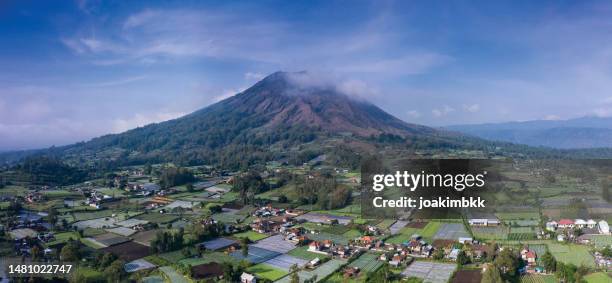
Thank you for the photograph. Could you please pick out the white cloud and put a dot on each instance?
(117, 82)
(471, 108)
(409, 64)
(552, 117)
(414, 114)
(254, 76)
(445, 110)
(142, 119)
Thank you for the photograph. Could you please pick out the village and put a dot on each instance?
(194, 231)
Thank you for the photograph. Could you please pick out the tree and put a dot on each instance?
(549, 262)
(115, 271)
(438, 254)
(491, 251)
(70, 252)
(189, 187)
(605, 190)
(293, 270)
(244, 245)
(35, 251)
(607, 251)
(492, 275)
(462, 258)
(52, 216)
(106, 260)
(508, 263)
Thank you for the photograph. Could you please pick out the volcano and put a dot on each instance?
(283, 116)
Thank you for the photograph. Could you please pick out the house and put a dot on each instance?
(465, 240)
(580, 223)
(603, 227)
(529, 256)
(247, 278)
(566, 223)
(316, 247)
(560, 238)
(453, 254)
(482, 219)
(552, 226)
(316, 261)
(591, 223)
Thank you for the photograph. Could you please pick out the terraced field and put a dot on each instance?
(367, 262)
(575, 254)
(538, 279)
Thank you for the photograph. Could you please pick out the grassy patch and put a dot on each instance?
(352, 234)
(303, 253)
(575, 254)
(158, 218)
(252, 235)
(598, 277)
(218, 257)
(61, 238)
(267, 271)
(430, 230)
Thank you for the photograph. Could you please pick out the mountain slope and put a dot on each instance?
(586, 132)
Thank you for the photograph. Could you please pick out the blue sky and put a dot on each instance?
(73, 70)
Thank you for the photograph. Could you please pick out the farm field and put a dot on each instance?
(208, 258)
(575, 254)
(518, 216)
(367, 262)
(321, 272)
(533, 278)
(449, 231)
(338, 239)
(600, 240)
(303, 253)
(172, 275)
(467, 276)
(490, 233)
(598, 277)
(157, 218)
(61, 238)
(252, 235)
(267, 271)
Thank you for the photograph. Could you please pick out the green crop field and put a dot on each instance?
(336, 229)
(267, 271)
(252, 235)
(600, 240)
(367, 262)
(430, 230)
(575, 254)
(404, 235)
(303, 253)
(158, 218)
(518, 215)
(598, 277)
(490, 233)
(385, 224)
(61, 238)
(209, 257)
(352, 234)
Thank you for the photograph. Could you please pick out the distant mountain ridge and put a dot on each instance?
(585, 132)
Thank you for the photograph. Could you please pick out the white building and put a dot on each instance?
(551, 226)
(580, 223)
(604, 228)
(247, 278)
(591, 223)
